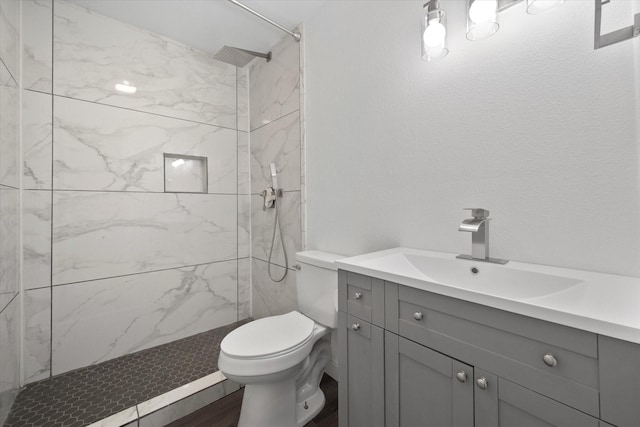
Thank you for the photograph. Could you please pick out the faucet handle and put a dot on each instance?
(478, 213)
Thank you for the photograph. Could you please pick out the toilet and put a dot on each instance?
(281, 359)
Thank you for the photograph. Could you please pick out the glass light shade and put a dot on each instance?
(482, 19)
(536, 7)
(434, 35)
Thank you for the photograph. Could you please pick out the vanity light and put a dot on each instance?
(434, 32)
(125, 87)
(482, 22)
(536, 7)
(482, 19)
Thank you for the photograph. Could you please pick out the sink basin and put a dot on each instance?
(601, 303)
(509, 281)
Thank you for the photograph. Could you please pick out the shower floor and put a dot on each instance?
(88, 395)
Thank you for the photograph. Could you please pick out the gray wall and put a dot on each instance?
(9, 204)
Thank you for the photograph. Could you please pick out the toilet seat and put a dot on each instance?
(269, 336)
(268, 345)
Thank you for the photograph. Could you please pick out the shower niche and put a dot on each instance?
(185, 174)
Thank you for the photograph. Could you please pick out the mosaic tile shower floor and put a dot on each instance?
(90, 394)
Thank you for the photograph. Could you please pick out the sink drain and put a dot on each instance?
(474, 270)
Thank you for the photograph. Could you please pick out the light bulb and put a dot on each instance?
(483, 10)
(434, 35)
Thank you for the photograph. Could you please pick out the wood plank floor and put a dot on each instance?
(226, 411)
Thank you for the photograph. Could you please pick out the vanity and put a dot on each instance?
(428, 339)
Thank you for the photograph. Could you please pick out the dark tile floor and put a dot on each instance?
(87, 395)
(226, 411)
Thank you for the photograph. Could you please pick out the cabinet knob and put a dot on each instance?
(355, 326)
(462, 376)
(418, 315)
(358, 295)
(482, 383)
(550, 360)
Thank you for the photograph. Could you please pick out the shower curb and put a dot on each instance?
(172, 405)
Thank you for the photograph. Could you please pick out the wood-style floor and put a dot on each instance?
(226, 411)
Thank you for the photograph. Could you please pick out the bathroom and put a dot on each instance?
(373, 147)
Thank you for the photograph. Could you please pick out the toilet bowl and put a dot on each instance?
(280, 359)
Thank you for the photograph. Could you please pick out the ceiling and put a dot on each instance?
(208, 25)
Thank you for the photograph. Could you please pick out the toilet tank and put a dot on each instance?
(317, 286)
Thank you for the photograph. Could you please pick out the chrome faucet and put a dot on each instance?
(478, 226)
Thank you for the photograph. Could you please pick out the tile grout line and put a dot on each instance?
(139, 111)
(53, 14)
(142, 272)
(275, 120)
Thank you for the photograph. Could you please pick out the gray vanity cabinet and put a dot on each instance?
(361, 350)
(424, 387)
(409, 357)
(361, 381)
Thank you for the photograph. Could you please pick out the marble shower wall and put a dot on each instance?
(112, 263)
(9, 204)
(276, 137)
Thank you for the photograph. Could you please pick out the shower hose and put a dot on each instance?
(276, 224)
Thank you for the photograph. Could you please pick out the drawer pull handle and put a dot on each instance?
(418, 315)
(550, 360)
(358, 295)
(355, 326)
(462, 376)
(482, 383)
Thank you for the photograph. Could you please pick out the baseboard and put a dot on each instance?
(332, 370)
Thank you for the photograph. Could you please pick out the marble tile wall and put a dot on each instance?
(274, 99)
(92, 53)
(112, 263)
(9, 205)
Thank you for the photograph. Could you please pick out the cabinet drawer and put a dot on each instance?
(364, 297)
(510, 345)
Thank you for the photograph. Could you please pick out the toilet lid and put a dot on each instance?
(268, 336)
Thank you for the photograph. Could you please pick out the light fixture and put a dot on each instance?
(536, 7)
(434, 32)
(482, 19)
(482, 22)
(125, 87)
(177, 163)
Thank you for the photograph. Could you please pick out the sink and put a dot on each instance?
(601, 303)
(509, 282)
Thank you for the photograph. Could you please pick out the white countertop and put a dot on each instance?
(605, 304)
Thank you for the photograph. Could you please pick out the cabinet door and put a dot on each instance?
(424, 387)
(361, 363)
(501, 403)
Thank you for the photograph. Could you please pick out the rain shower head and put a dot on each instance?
(239, 57)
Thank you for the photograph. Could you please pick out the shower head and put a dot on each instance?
(239, 57)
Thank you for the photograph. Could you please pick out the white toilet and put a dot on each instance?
(281, 359)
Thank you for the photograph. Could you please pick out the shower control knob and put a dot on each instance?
(358, 295)
(462, 376)
(482, 383)
(355, 326)
(550, 360)
(418, 316)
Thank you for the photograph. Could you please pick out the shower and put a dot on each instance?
(241, 57)
(270, 197)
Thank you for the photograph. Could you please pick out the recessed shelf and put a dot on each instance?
(185, 174)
